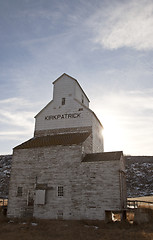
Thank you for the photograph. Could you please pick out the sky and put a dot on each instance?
(106, 45)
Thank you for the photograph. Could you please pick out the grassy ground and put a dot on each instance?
(145, 198)
(72, 230)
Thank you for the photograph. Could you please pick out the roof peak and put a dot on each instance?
(65, 74)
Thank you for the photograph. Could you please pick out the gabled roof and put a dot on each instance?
(72, 79)
(54, 83)
(104, 156)
(54, 140)
(43, 108)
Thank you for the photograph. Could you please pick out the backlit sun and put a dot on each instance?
(113, 135)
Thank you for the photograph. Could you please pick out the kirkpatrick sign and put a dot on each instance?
(63, 116)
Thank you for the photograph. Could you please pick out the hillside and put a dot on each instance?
(139, 176)
(139, 172)
(5, 169)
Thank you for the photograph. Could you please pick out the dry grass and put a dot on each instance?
(148, 199)
(72, 230)
(145, 198)
(148, 202)
(142, 205)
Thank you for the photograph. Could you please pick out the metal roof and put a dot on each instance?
(103, 156)
(53, 140)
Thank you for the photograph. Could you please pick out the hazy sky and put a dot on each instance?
(106, 45)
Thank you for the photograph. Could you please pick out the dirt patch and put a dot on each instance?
(33, 229)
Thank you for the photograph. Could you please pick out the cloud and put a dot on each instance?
(16, 118)
(13, 135)
(16, 122)
(127, 105)
(124, 24)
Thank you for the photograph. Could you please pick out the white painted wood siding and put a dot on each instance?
(79, 94)
(40, 197)
(97, 132)
(84, 117)
(63, 88)
(89, 188)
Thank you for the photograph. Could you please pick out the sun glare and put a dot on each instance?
(113, 135)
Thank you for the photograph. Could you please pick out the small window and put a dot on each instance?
(63, 101)
(60, 191)
(82, 99)
(19, 192)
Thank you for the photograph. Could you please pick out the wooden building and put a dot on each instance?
(63, 171)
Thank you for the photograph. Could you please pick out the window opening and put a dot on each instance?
(60, 191)
(63, 101)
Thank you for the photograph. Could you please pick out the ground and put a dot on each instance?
(72, 230)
